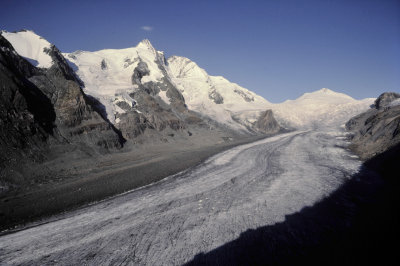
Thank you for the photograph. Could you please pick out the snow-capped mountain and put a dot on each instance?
(30, 46)
(42, 105)
(323, 107)
(227, 102)
(107, 74)
(213, 96)
(117, 79)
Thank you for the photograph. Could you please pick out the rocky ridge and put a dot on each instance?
(44, 109)
(377, 129)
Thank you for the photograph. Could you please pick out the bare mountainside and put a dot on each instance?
(377, 129)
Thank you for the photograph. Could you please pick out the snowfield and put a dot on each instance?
(31, 46)
(195, 211)
(320, 108)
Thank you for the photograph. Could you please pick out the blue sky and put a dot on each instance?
(278, 49)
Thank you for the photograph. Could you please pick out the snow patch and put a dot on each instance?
(164, 97)
(395, 102)
(30, 46)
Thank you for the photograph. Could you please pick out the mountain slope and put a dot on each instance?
(377, 129)
(30, 46)
(227, 102)
(75, 117)
(139, 84)
(213, 96)
(320, 108)
(26, 114)
(108, 74)
(133, 91)
(44, 113)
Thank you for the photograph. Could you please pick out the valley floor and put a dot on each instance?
(73, 182)
(212, 213)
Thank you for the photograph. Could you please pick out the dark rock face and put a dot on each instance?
(76, 119)
(140, 71)
(26, 114)
(376, 130)
(246, 97)
(103, 64)
(216, 97)
(266, 123)
(154, 115)
(133, 124)
(45, 107)
(129, 61)
(175, 96)
(385, 99)
(60, 67)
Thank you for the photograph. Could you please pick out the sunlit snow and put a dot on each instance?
(107, 75)
(31, 46)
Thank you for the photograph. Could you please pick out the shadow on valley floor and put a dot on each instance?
(357, 225)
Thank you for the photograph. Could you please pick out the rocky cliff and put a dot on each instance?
(44, 108)
(266, 123)
(378, 129)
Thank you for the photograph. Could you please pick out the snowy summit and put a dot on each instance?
(113, 76)
(30, 46)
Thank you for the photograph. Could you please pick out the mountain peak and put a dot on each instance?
(325, 94)
(183, 67)
(24, 32)
(146, 44)
(30, 46)
(325, 90)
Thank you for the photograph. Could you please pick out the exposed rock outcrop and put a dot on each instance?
(103, 64)
(376, 130)
(140, 71)
(76, 119)
(266, 123)
(215, 96)
(26, 114)
(151, 116)
(43, 107)
(247, 97)
(385, 99)
(153, 111)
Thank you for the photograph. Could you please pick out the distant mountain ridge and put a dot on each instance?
(115, 77)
